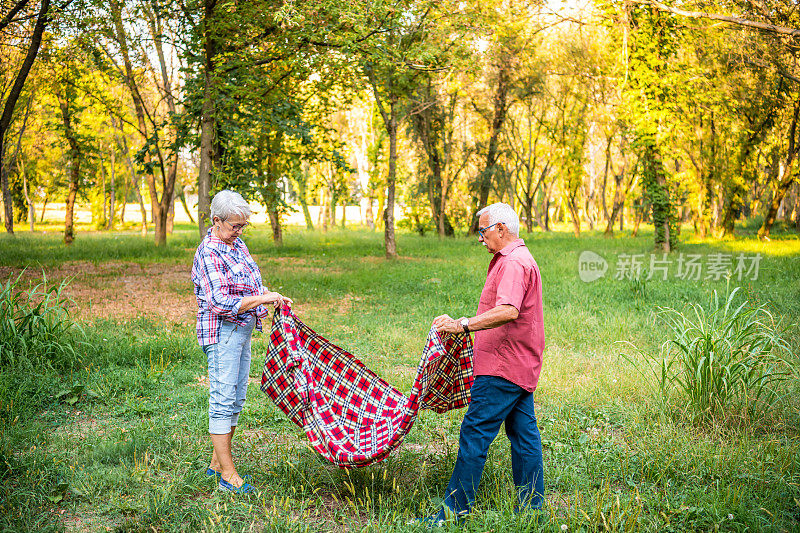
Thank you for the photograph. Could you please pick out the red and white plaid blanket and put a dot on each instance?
(353, 417)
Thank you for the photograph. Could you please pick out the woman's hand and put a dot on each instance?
(276, 299)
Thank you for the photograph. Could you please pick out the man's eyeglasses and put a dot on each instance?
(482, 230)
(237, 227)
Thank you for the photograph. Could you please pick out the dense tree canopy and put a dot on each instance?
(598, 115)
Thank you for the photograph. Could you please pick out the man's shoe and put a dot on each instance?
(443, 517)
(430, 522)
(246, 488)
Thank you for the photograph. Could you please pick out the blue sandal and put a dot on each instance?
(210, 472)
(246, 488)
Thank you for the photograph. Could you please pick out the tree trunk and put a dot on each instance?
(639, 215)
(547, 195)
(8, 108)
(268, 178)
(500, 101)
(429, 123)
(302, 192)
(733, 198)
(574, 215)
(391, 127)
(64, 104)
(658, 193)
(380, 221)
(15, 160)
(369, 215)
(159, 208)
(615, 212)
(171, 217)
(182, 197)
(123, 145)
(124, 195)
(606, 168)
(28, 196)
(273, 175)
(322, 214)
(786, 179)
(104, 221)
(620, 196)
(44, 207)
(277, 230)
(207, 123)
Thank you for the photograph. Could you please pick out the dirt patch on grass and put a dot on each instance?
(121, 290)
(86, 521)
(270, 264)
(80, 427)
(339, 306)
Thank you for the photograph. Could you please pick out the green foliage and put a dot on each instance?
(36, 329)
(729, 360)
(38, 342)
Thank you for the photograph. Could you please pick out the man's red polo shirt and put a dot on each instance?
(514, 350)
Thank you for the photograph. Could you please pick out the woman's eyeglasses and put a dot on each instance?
(237, 227)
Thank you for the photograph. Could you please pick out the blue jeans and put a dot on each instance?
(494, 401)
(228, 371)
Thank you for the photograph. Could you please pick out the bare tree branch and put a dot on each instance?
(9, 17)
(773, 28)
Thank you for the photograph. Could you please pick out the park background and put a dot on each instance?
(650, 149)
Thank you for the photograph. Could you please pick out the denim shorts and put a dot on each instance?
(228, 371)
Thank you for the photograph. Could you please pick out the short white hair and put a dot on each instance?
(500, 212)
(228, 203)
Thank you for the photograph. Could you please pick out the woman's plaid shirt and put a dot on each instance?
(223, 276)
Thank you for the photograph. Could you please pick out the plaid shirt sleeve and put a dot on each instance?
(262, 311)
(214, 282)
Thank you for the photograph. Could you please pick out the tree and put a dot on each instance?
(435, 112)
(14, 16)
(786, 175)
(207, 31)
(511, 29)
(777, 23)
(156, 116)
(66, 95)
(651, 47)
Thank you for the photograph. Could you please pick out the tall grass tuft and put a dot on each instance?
(36, 328)
(731, 358)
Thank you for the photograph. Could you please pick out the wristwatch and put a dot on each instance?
(465, 324)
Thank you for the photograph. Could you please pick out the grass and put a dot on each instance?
(119, 440)
(726, 361)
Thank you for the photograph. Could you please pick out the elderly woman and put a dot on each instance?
(231, 302)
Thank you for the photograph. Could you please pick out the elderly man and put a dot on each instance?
(509, 342)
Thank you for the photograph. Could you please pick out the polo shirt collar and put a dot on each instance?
(511, 246)
(220, 245)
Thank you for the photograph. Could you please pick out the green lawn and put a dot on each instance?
(130, 454)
